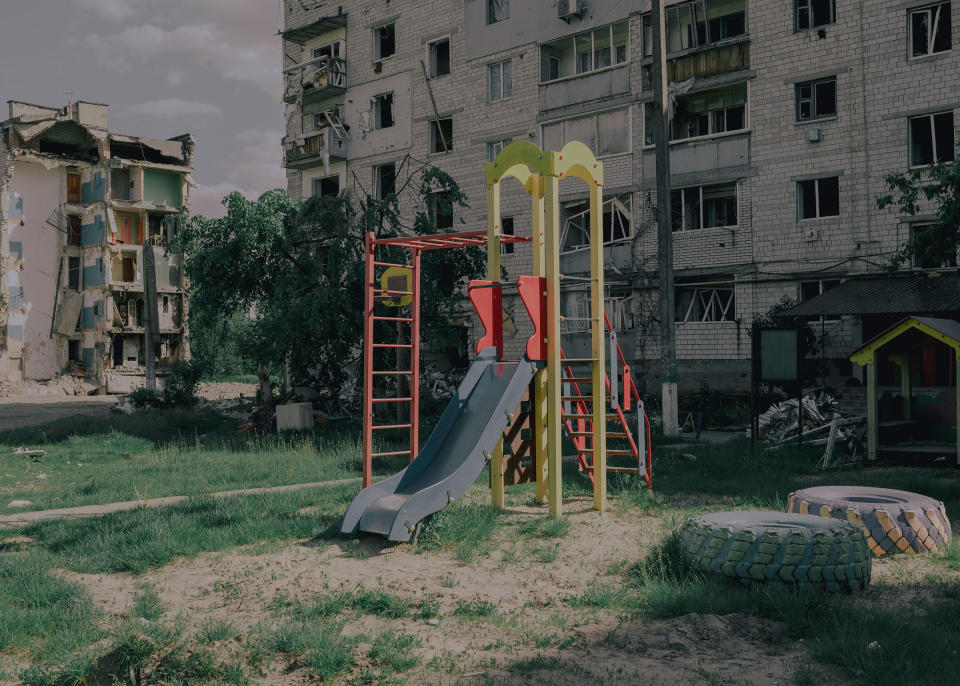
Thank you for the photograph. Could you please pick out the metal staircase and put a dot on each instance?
(632, 447)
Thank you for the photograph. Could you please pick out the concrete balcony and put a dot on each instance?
(308, 151)
(597, 85)
(315, 80)
(702, 155)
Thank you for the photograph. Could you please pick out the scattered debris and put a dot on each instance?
(34, 455)
(19, 503)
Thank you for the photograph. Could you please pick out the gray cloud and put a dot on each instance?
(171, 108)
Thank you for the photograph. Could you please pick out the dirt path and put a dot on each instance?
(23, 518)
(19, 410)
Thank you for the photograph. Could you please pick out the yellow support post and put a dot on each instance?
(552, 250)
(598, 344)
(539, 399)
(493, 274)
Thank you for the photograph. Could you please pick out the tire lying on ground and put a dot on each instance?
(893, 521)
(776, 548)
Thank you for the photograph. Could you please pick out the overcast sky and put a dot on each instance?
(165, 67)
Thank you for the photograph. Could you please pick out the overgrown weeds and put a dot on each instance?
(466, 529)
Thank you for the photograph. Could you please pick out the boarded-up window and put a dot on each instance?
(120, 184)
(73, 188)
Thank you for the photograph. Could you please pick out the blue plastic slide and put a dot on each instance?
(454, 455)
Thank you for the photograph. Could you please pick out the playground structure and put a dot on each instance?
(488, 413)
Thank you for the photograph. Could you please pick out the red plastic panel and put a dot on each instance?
(487, 298)
(533, 293)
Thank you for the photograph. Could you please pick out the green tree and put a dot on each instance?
(298, 270)
(910, 191)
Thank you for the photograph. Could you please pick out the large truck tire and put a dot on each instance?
(778, 549)
(893, 521)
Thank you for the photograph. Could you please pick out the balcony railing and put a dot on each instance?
(324, 146)
(317, 78)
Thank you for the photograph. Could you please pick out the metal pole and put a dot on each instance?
(415, 359)
(668, 342)
(368, 361)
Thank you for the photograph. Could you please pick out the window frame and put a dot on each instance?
(727, 310)
(499, 65)
(490, 14)
(316, 186)
(377, 47)
(933, 139)
(378, 101)
(431, 62)
(436, 125)
(816, 184)
(435, 202)
(74, 272)
(596, 129)
(931, 35)
(809, 8)
(493, 150)
(378, 179)
(701, 205)
(710, 119)
(507, 248)
(813, 83)
(573, 39)
(646, 29)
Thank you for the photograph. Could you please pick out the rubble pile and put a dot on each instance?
(781, 422)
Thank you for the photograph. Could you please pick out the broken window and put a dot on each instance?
(383, 111)
(817, 99)
(442, 209)
(386, 180)
(818, 198)
(385, 41)
(438, 53)
(617, 224)
(704, 207)
(704, 114)
(618, 306)
(698, 24)
(499, 80)
(73, 351)
(326, 187)
(711, 302)
(73, 273)
(74, 194)
(441, 135)
(506, 229)
(120, 183)
(75, 229)
(930, 30)
(809, 14)
(494, 148)
(584, 52)
(497, 10)
(605, 133)
(931, 139)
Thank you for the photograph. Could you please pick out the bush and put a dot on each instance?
(179, 391)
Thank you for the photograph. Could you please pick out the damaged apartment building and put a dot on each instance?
(786, 117)
(79, 207)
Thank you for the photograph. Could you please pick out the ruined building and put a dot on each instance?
(78, 206)
(786, 118)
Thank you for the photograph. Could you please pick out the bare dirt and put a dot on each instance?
(534, 636)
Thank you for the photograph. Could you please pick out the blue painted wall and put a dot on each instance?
(87, 319)
(95, 191)
(93, 233)
(87, 356)
(16, 249)
(16, 296)
(16, 206)
(93, 274)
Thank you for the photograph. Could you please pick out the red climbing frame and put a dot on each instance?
(416, 245)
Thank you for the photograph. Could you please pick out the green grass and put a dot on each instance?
(544, 527)
(381, 604)
(162, 453)
(474, 609)
(213, 630)
(146, 538)
(147, 603)
(465, 528)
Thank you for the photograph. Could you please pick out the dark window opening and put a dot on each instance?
(75, 229)
(120, 183)
(497, 10)
(442, 211)
(327, 187)
(818, 197)
(383, 111)
(439, 58)
(386, 41)
(930, 30)
(817, 99)
(441, 135)
(73, 351)
(386, 180)
(813, 13)
(73, 273)
(506, 229)
(931, 139)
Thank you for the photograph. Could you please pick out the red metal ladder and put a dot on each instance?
(579, 422)
(372, 296)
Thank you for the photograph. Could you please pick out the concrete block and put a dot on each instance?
(294, 417)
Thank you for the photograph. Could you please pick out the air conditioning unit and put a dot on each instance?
(567, 9)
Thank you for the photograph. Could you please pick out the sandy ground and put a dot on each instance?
(531, 619)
